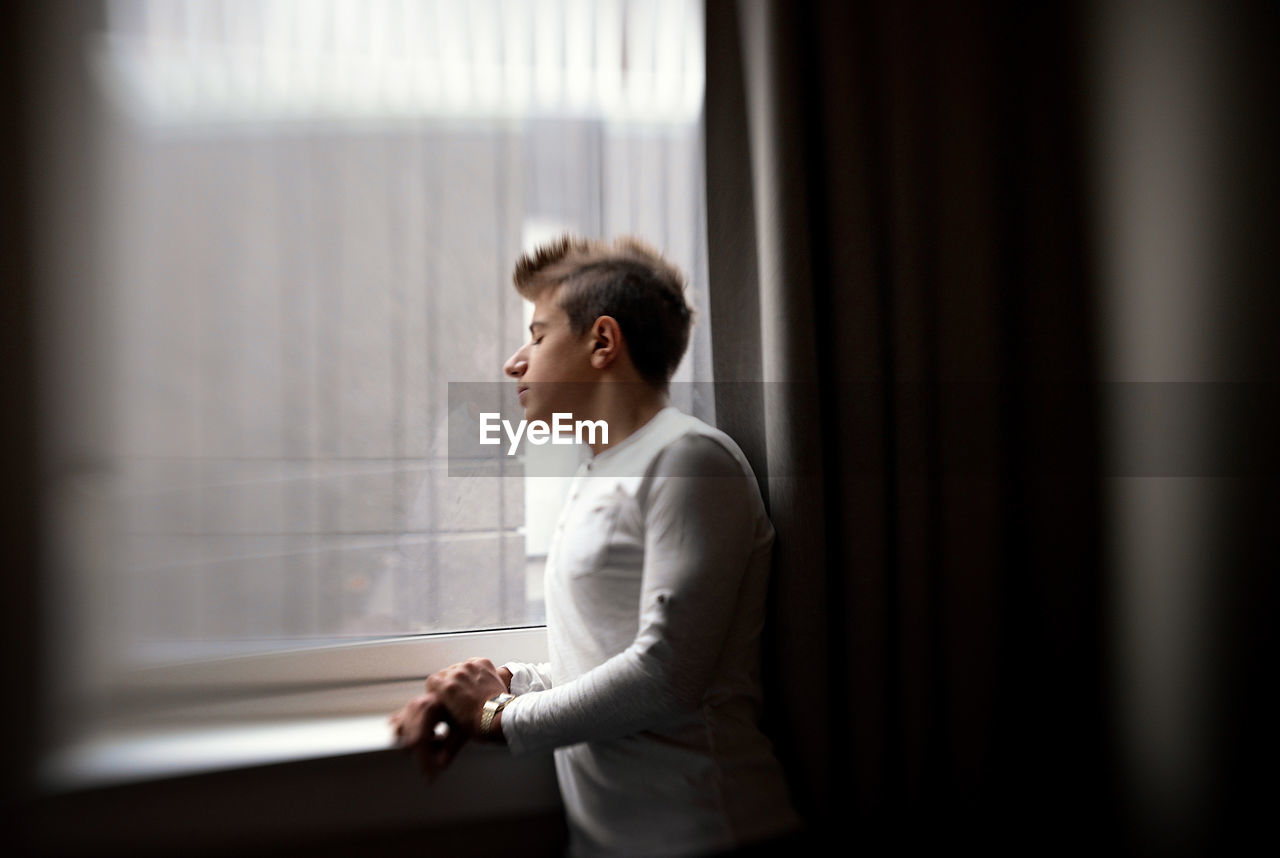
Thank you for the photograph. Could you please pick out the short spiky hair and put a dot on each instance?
(627, 280)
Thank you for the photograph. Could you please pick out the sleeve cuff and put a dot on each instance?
(525, 677)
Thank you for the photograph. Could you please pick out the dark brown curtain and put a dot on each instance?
(896, 249)
(906, 325)
(20, 603)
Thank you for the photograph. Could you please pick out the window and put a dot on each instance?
(296, 226)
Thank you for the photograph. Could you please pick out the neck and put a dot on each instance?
(625, 407)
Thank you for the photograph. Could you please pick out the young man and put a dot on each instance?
(655, 584)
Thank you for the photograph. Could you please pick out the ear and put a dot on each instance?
(606, 342)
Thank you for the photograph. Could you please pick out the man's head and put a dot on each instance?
(601, 307)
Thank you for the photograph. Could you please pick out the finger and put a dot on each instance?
(400, 722)
(399, 716)
(397, 726)
(414, 725)
(443, 677)
(441, 744)
(438, 733)
(435, 718)
(443, 752)
(434, 757)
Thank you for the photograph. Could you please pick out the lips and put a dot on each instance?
(520, 392)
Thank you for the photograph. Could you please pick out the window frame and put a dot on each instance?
(322, 680)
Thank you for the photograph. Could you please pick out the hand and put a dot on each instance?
(455, 698)
(464, 688)
(422, 728)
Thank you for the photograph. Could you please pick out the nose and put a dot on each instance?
(516, 365)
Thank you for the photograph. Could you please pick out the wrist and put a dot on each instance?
(495, 731)
(491, 717)
(505, 675)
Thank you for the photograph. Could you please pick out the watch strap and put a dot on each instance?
(492, 707)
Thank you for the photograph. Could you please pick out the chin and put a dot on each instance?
(542, 411)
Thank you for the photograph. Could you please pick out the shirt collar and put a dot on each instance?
(645, 430)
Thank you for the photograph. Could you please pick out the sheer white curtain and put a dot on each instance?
(306, 215)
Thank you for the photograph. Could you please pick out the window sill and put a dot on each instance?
(129, 757)
(261, 784)
(268, 770)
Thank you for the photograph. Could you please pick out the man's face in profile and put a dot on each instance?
(551, 356)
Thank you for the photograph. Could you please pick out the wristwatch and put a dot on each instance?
(492, 707)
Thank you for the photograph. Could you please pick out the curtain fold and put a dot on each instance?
(912, 242)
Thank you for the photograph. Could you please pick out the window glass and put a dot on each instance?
(302, 216)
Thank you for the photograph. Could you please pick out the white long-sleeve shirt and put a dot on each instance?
(655, 589)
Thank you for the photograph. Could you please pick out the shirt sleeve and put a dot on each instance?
(702, 513)
(526, 677)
